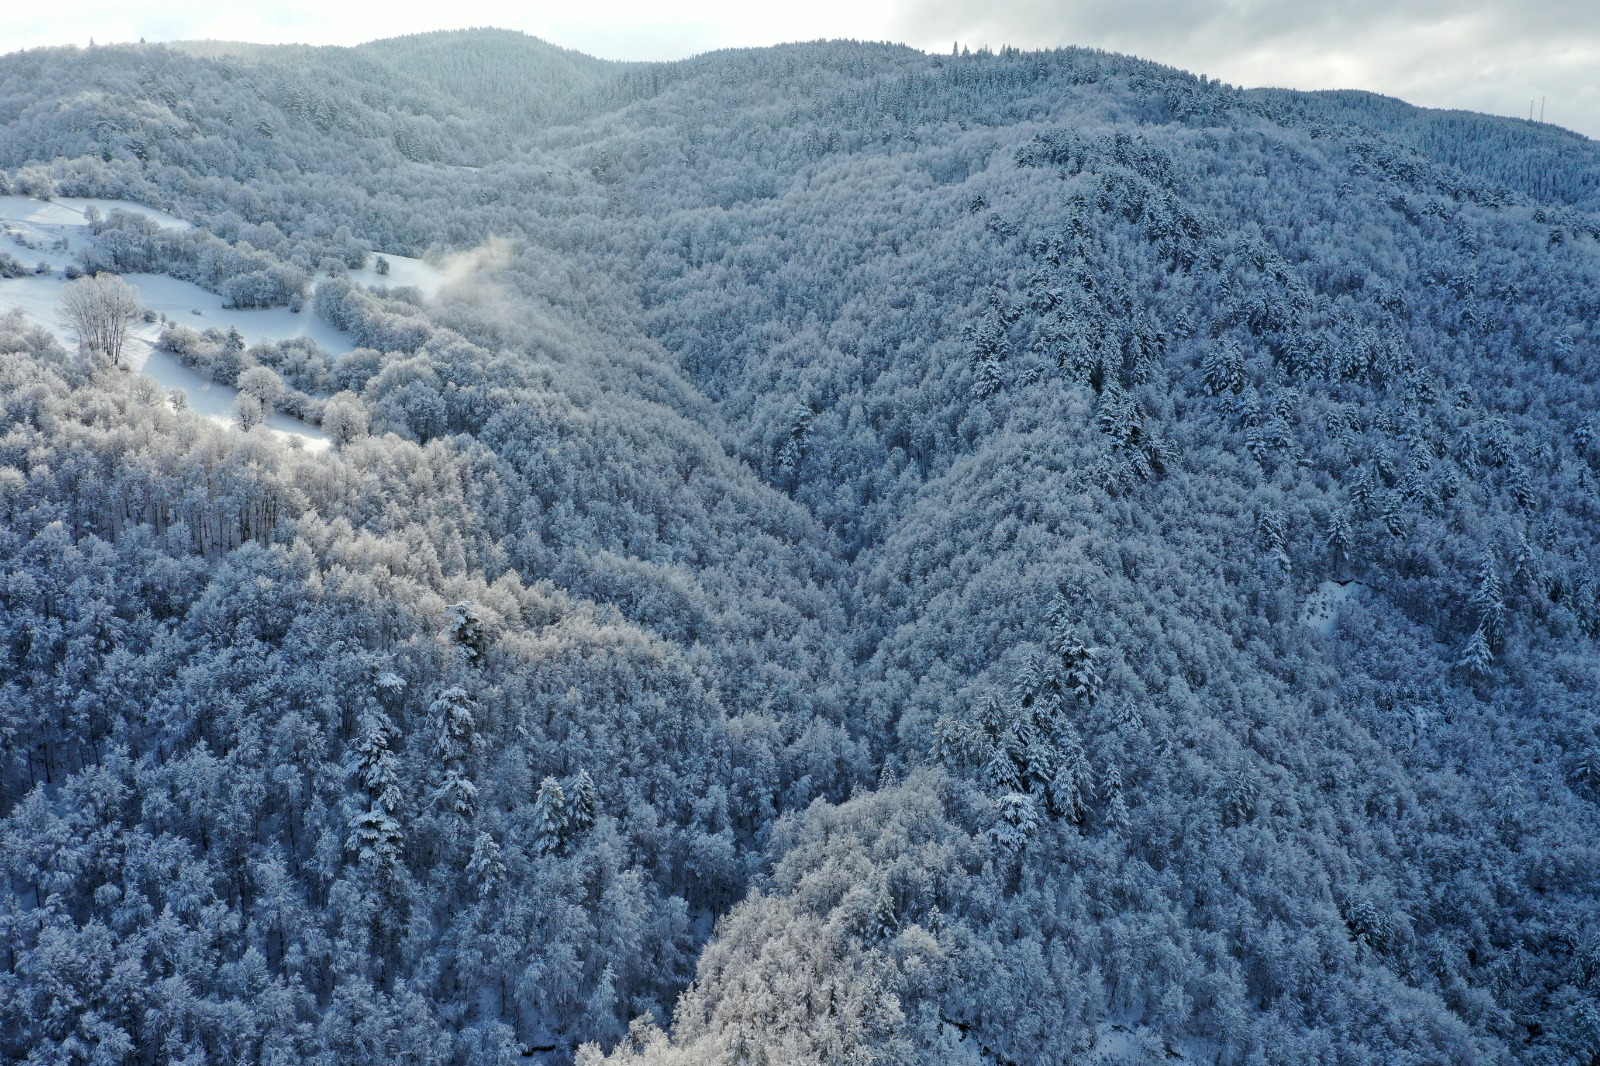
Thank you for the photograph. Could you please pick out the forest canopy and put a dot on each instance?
(867, 557)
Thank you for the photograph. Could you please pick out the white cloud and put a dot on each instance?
(1485, 55)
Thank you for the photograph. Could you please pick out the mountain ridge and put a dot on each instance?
(831, 580)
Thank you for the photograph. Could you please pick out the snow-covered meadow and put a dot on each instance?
(46, 236)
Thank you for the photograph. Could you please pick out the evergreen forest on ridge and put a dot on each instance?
(866, 558)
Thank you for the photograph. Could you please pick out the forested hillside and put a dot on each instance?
(869, 557)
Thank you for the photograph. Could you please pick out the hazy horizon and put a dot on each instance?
(1485, 56)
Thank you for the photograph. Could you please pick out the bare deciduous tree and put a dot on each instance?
(100, 310)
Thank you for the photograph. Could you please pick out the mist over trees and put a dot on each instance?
(1003, 557)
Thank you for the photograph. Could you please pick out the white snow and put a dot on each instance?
(1126, 1044)
(34, 230)
(189, 305)
(403, 270)
(71, 211)
(206, 398)
(1324, 606)
(38, 298)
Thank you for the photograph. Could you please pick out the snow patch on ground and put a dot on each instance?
(71, 211)
(188, 304)
(206, 398)
(53, 232)
(39, 298)
(403, 270)
(1325, 605)
(1122, 1045)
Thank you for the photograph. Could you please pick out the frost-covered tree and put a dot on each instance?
(344, 419)
(458, 740)
(551, 817)
(249, 412)
(377, 836)
(262, 385)
(100, 311)
(1205, 320)
(485, 869)
(465, 629)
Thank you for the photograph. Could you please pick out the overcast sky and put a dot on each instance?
(1486, 55)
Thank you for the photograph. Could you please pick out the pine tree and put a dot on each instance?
(1489, 601)
(485, 870)
(1116, 805)
(1272, 527)
(376, 835)
(1016, 821)
(792, 441)
(1586, 767)
(1224, 370)
(1239, 795)
(1071, 785)
(1340, 536)
(583, 803)
(988, 349)
(955, 742)
(466, 630)
(987, 377)
(1478, 657)
(1080, 677)
(458, 740)
(550, 818)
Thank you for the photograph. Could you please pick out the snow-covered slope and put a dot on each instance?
(50, 234)
(889, 558)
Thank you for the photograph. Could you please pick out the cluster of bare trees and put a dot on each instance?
(100, 310)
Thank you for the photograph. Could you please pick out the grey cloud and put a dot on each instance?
(1483, 54)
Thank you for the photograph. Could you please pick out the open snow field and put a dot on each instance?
(403, 270)
(59, 217)
(53, 232)
(206, 398)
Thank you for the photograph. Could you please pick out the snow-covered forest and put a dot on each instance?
(840, 555)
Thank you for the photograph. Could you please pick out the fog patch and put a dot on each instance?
(478, 296)
(460, 268)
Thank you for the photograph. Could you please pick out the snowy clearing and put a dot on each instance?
(67, 211)
(188, 304)
(52, 232)
(1324, 606)
(39, 298)
(403, 270)
(206, 398)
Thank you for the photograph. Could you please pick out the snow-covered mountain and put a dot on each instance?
(827, 554)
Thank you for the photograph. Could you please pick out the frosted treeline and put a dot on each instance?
(869, 557)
